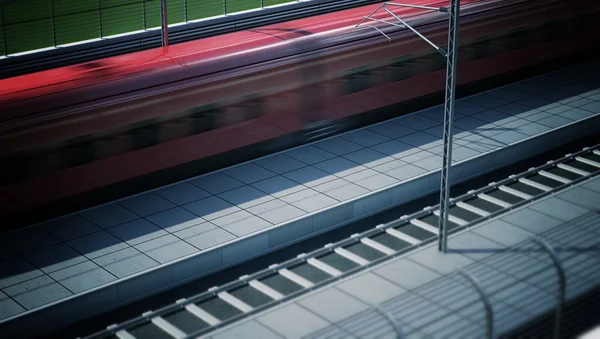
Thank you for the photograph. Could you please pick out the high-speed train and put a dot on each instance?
(247, 88)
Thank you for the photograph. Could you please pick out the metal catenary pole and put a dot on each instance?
(164, 23)
(449, 107)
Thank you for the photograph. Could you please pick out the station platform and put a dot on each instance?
(113, 254)
(424, 295)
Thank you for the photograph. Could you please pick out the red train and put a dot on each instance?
(210, 96)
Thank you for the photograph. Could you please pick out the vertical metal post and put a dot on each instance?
(561, 284)
(262, 4)
(164, 23)
(224, 7)
(449, 105)
(144, 14)
(52, 23)
(489, 312)
(185, 10)
(100, 18)
(3, 30)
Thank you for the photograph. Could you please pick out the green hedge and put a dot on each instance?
(27, 25)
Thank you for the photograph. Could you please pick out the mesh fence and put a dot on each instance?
(28, 25)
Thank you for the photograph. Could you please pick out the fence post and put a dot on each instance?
(164, 23)
(489, 312)
(224, 7)
(561, 283)
(100, 18)
(185, 6)
(52, 23)
(3, 30)
(144, 14)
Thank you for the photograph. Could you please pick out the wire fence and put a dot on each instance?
(28, 25)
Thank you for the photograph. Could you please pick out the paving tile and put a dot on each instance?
(372, 182)
(210, 238)
(468, 123)
(532, 220)
(310, 176)
(534, 102)
(331, 185)
(55, 257)
(443, 263)
(395, 149)
(278, 186)
(405, 172)
(462, 153)
(559, 209)
(17, 270)
(211, 208)
(495, 117)
(411, 159)
(516, 110)
(466, 108)
(406, 273)
(507, 94)
(593, 184)
(365, 138)
(391, 130)
(332, 304)
(166, 248)
(27, 240)
(305, 322)
(576, 114)
(146, 204)
(182, 193)
(282, 214)
(314, 202)
(538, 116)
(368, 157)
(515, 124)
(487, 100)
(175, 219)
(502, 232)
(434, 113)
(266, 207)
(195, 230)
(247, 225)
(473, 246)
(339, 166)
(370, 288)
(246, 329)
(554, 121)
(125, 262)
(509, 137)
(245, 196)
(216, 183)
(279, 163)
(431, 163)
(419, 139)
(580, 102)
(137, 231)
(346, 192)
(338, 146)
(37, 292)
(249, 173)
(582, 196)
(416, 122)
(309, 154)
(533, 128)
(560, 109)
(97, 244)
(9, 308)
(482, 145)
(81, 277)
(109, 215)
(70, 227)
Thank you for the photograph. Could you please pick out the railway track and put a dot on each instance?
(250, 294)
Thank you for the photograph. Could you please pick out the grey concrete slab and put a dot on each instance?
(137, 231)
(340, 167)
(305, 322)
(473, 245)
(211, 208)
(487, 100)
(365, 138)
(502, 232)
(406, 273)
(581, 196)
(554, 121)
(246, 225)
(443, 263)
(314, 202)
(146, 204)
(368, 157)
(310, 176)
(210, 238)
(509, 137)
(279, 163)
(559, 209)
(97, 244)
(281, 214)
(391, 130)
(375, 181)
(419, 123)
(166, 248)
(249, 173)
(216, 183)
(430, 163)
(403, 172)
(593, 184)
(332, 304)
(246, 196)
(17, 270)
(309, 154)
(125, 262)
(27, 240)
(70, 227)
(576, 114)
(278, 186)
(395, 148)
(419, 139)
(533, 129)
(109, 215)
(83, 276)
(532, 220)
(346, 192)
(55, 257)
(195, 230)
(182, 193)
(9, 308)
(338, 146)
(247, 329)
(175, 219)
(370, 288)
(37, 292)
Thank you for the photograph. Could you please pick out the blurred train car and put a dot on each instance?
(310, 78)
